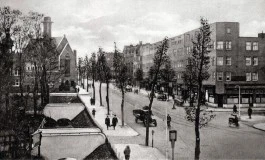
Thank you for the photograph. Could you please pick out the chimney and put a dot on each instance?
(261, 35)
(47, 26)
(140, 42)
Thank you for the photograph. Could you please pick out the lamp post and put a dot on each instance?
(238, 100)
(153, 138)
(173, 139)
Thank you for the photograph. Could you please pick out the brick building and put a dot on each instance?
(66, 59)
(235, 62)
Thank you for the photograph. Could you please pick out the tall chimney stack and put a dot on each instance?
(47, 26)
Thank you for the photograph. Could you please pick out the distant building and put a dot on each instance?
(66, 59)
(234, 62)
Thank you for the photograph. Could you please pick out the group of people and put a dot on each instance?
(249, 111)
(114, 122)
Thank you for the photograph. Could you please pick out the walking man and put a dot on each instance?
(249, 112)
(107, 122)
(94, 112)
(234, 109)
(114, 121)
(127, 152)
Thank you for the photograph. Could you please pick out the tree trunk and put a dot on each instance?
(122, 107)
(7, 104)
(100, 96)
(87, 83)
(148, 115)
(107, 97)
(93, 85)
(20, 80)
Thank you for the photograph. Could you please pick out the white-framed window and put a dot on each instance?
(228, 61)
(248, 61)
(255, 46)
(255, 76)
(248, 76)
(228, 30)
(228, 45)
(219, 76)
(228, 76)
(16, 72)
(220, 61)
(255, 61)
(213, 75)
(188, 50)
(220, 45)
(248, 46)
(16, 82)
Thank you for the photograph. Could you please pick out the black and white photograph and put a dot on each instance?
(132, 79)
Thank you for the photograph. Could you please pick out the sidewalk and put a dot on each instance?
(255, 118)
(117, 144)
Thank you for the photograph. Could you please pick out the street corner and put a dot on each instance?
(253, 118)
(260, 126)
(138, 152)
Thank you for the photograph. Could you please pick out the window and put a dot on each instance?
(254, 76)
(188, 50)
(228, 76)
(248, 61)
(228, 45)
(220, 45)
(173, 43)
(228, 61)
(220, 76)
(255, 61)
(67, 67)
(248, 76)
(248, 46)
(16, 82)
(255, 46)
(228, 30)
(220, 61)
(16, 73)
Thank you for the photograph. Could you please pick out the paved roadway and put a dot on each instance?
(218, 141)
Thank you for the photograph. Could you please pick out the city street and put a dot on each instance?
(218, 140)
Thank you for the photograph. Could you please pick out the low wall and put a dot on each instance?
(73, 142)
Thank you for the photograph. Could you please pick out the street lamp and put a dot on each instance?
(173, 139)
(238, 100)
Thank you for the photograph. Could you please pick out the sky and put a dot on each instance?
(90, 24)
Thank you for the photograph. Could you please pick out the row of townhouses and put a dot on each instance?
(237, 64)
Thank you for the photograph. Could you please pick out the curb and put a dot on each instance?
(254, 126)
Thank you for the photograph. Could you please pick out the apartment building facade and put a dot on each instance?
(235, 62)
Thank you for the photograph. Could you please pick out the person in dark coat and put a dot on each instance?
(94, 112)
(168, 120)
(114, 121)
(234, 109)
(249, 112)
(127, 152)
(107, 122)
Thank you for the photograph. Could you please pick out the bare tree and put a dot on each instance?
(167, 74)
(100, 72)
(121, 76)
(139, 76)
(198, 70)
(8, 19)
(160, 59)
(93, 63)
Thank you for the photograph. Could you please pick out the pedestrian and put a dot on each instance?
(107, 122)
(234, 109)
(94, 112)
(127, 152)
(168, 120)
(249, 112)
(114, 121)
(78, 90)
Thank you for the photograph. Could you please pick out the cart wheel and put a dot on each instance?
(136, 120)
(155, 123)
